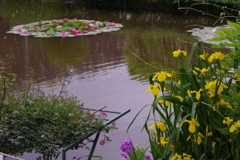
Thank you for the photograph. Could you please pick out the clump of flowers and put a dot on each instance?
(197, 116)
(130, 153)
(64, 28)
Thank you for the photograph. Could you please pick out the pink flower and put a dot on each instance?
(76, 31)
(102, 142)
(19, 29)
(85, 27)
(90, 29)
(59, 27)
(37, 27)
(18, 102)
(61, 21)
(63, 33)
(54, 20)
(72, 28)
(47, 26)
(111, 24)
(104, 113)
(92, 115)
(93, 25)
(81, 110)
(65, 19)
(24, 31)
(75, 20)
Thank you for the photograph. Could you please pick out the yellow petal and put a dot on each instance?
(162, 77)
(149, 89)
(153, 125)
(192, 128)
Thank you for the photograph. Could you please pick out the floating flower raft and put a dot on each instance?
(64, 28)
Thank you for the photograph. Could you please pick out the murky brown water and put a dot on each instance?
(105, 72)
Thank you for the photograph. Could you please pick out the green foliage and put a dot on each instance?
(33, 121)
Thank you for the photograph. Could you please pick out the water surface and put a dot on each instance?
(105, 72)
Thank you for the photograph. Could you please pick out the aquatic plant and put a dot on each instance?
(33, 121)
(64, 28)
(198, 116)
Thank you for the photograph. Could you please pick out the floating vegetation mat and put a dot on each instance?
(206, 33)
(64, 28)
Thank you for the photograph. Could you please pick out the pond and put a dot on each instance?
(105, 70)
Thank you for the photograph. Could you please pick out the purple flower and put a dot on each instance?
(63, 33)
(102, 142)
(124, 155)
(37, 27)
(148, 158)
(24, 31)
(126, 146)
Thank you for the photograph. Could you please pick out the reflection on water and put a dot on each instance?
(106, 73)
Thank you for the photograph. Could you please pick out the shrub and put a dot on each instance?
(32, 121)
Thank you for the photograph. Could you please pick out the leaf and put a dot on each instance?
(216, 39)
(235, 25)
(50, 32)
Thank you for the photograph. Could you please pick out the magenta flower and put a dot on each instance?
(102, 142)
(37, 27)
(93, 25)
(47, 26)
(104, 113)
(85, 27)
(92, 115)
(19, 29)
(65, 19)
(111, 24)
(24, 31)
(124, 155)
(148, 158)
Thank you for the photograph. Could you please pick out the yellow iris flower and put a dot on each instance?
(203, 56)
(159, 125)
(216, 55)
(223, 102)
(163, 141)
(227, 121)
(211, 87)
(179, 52)
(161, 76)
(192, 124)
(198, 94)
(202, 71)
(235, 127)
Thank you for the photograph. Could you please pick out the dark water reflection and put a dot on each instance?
(105, 72)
